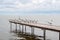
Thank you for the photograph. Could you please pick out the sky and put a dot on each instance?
(29, 6)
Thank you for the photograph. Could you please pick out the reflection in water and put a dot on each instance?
(27, 36)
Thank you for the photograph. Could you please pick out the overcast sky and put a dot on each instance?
(29, 6)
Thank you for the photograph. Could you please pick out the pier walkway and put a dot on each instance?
(35, 25)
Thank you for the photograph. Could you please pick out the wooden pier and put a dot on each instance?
(33, 25)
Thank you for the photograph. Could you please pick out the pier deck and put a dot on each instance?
(38, 25)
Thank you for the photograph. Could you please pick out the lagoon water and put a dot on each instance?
(5, 27)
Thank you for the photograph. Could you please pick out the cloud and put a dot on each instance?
(29, 5)
(39, 4)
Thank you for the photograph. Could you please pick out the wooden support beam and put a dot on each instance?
(22, 29)
(59, 35)
(10, 27)
(16, 28)
(44, 33)
(19, 28)
(25, 29)
(32, 30)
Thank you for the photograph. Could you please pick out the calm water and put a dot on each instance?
(6, 35)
